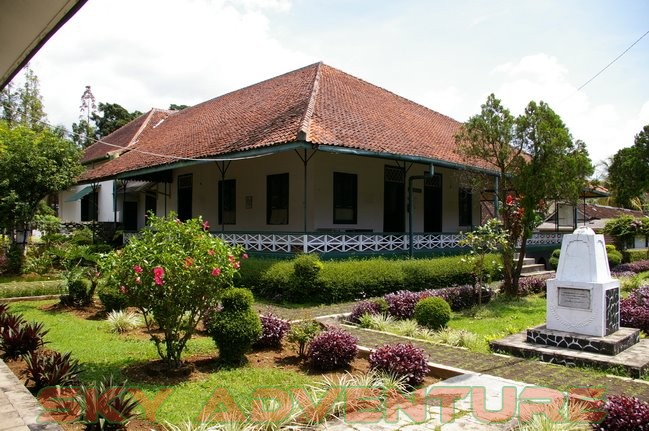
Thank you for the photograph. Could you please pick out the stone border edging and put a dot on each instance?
(20, 409)
(29, 298)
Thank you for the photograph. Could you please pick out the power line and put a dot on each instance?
(608, 65)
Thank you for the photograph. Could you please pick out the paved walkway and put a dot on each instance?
(19, 410)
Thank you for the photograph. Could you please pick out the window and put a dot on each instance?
(90, 206)
(150, 204)
(466, 207)
(185, 184)
(227, 202)
(277, 199)
(345, 198)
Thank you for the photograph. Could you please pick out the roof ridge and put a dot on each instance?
(137, 134)
(303, 131)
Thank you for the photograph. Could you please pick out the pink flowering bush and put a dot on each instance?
(173, 272)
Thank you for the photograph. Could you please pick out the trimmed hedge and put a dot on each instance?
(359, 278)
(635, 254)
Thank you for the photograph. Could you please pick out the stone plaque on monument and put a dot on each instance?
(574, 298)
(583, 298)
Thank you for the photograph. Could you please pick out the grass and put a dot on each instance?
(15, 287)
(102, 352)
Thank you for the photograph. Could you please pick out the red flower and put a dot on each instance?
(236, 265)
(137, 269)
(138, 280)
(206, 225)
(231, 258)
(188, 262)
(244, 256)
(158, 275)
(210, 252)
(123, 289)
(509, 200)
(216, 272)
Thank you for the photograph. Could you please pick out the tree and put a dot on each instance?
(174, 107)
(113, 117)
(33, 164)
(537, 161)
(23, 106)
(628, 172)
(83, 133)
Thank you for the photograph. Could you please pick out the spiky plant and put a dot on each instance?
(121, 321)
(52, 369)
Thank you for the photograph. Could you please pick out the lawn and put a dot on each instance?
(103, 353)
(13, 287)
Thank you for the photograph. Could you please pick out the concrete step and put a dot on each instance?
(526, 260)
(532, 268)
(537, 273)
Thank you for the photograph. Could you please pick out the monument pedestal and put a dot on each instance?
(582, 314)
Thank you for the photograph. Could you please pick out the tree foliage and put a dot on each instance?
(33, 164)
(113, 116)
(628, 172)
(536, 160)
(23, 105)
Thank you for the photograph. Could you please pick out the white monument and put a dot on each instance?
(583, 298)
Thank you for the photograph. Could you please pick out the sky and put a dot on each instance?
(447, 55)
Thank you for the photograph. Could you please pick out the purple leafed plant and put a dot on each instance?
(624, 414)
(331, 350)
(402, 360)
(635, 267)
(273, 330)
(634, 310)
(365, 307)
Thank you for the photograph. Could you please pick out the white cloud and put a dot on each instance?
(150, 57)
(542, 77)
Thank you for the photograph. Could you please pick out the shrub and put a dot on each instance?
(121, 404)
(304, 283)
(236, 327)
(614, 256)
(273, 330)
(367, 307)
(303, 332)
(173, 272)
(401, 304)
(554, 259)
(624, 413)
(634, 310)
(636, 267)
(531, 285)
(460, 297)
(77, 296)
(401, 360)
(635, 254)
(331, 350)
(20, 338)
(432, 313)
(121, 321)
(52, 369)
(112, 299)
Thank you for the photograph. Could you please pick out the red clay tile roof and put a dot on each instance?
(605, 212)
(317, 104)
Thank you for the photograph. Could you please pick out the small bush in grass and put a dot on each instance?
(367, 307)
(123, 321)
(303, 332)
(460, 297)
(401, 360)
(432, 313)
(236, 327)
(52, 369)
(635, 254)
(624, 413)
(305, 284)
(273, 330)
(19, 337)
(331, 350)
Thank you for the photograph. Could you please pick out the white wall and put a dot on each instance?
(251, 176)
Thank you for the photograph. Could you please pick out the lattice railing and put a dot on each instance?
(340, 242)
